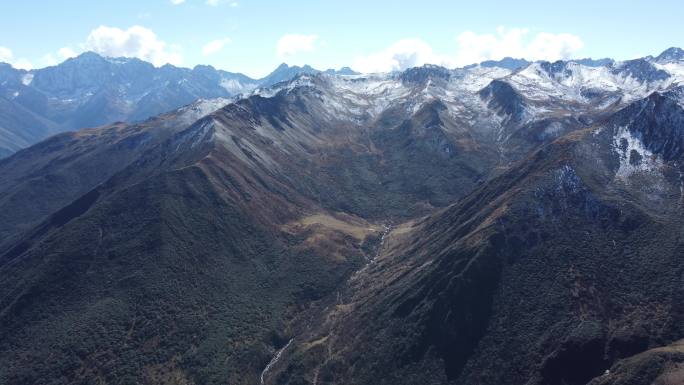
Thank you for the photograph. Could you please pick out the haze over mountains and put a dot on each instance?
(505, 223)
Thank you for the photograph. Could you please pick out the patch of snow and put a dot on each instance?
(568, 84)
(118, 60)
(598, 131)
(477, 78)
(202, 108)
(235, 87)
(299, 82)
(205, 107)
(675, 69)
(27, 79)
(553, 129)
(628, 146)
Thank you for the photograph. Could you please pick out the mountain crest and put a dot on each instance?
(672, 54)
(641, 69)
(507, 63)
(425, 73)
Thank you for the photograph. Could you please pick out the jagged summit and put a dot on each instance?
(672, 54)
(285, 72)
(595, 62)
(87, 56)
(507, 62)
(346, 71)
(424, 73)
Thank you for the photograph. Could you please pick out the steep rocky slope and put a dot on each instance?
(39, 181)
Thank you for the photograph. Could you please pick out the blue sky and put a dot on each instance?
(254, 36)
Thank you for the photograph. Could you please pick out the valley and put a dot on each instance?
(477, 225)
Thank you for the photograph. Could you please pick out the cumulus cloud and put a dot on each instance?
(515, 42)
(403, 54)
(135, 41)
(62, 54)
(473, 48)
(215, 46)
(292, 44)
(66, 53)
(7, 56)
(547, 46)
(49, 60)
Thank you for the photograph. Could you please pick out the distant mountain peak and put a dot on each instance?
(557, 67)
(589, 62)
(642, 69)
(670, 55)
(286, 72)
(202, 67)
(341, 71)
(507, 62)
(85, 57)
(92, 58)
(425, 73)
(347, 71)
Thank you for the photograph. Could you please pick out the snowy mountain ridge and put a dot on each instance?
(544, 88)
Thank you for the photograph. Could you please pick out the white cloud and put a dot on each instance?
(216, 3)
(547, 46)
(49, 60)
(474, 48)
(292, 44)
(136, 41)
(66, 53)
(62, 54)
(22, 64)
(403, 54)
(7, 56)
(177, 2)
(215, 46)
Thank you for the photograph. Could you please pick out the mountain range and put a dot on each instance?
(506, 223)
(90, 90)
